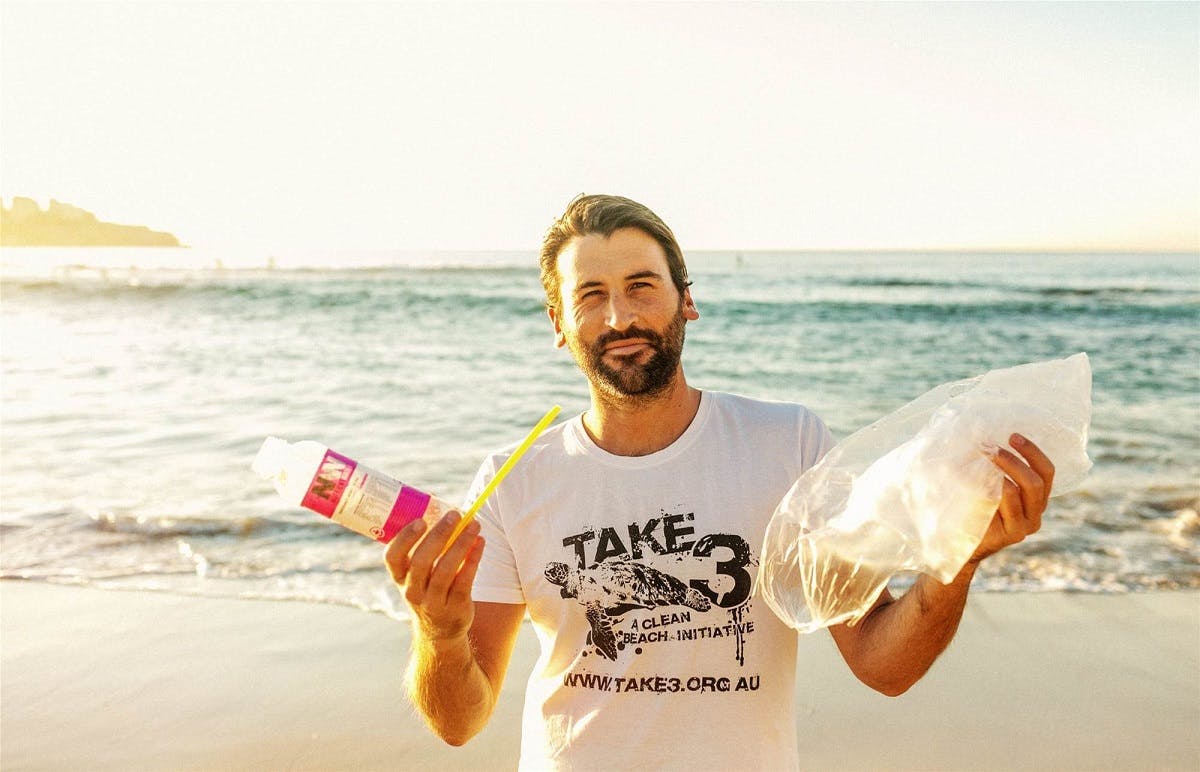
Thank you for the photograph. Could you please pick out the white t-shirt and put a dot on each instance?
(637, 573)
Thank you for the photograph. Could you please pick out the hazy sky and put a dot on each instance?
(744, 125)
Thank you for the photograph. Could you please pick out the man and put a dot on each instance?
(630, 535)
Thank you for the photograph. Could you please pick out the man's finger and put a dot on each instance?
(1030, 486)
(1037, 460)
(447, 566)
(460, 590)
(422, 558)
(396, 557)
(1011, 513)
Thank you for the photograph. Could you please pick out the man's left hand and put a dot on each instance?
(1023, 500)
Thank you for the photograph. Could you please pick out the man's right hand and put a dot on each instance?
(437, 586)
(461, 649)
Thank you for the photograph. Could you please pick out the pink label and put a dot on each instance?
(328, 484)
(410, 504)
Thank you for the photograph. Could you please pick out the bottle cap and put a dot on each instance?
(269, 461)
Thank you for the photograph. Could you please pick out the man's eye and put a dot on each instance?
(640, 285)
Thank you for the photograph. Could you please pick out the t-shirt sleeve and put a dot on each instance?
(815, 440)
(497, 580)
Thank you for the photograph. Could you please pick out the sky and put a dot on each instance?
(745, 126)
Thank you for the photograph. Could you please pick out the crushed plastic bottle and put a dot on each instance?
(309, 474)
(916, 490)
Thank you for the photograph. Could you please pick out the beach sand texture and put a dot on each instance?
(95, 679)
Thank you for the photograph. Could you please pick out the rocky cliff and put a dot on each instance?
(63, 225)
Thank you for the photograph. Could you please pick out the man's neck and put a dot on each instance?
(639, 427)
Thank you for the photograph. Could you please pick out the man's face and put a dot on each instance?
(620, 315)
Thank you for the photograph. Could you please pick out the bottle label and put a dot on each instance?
(362, 499)
(329, 483)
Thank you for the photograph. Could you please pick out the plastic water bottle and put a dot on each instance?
(309, 474)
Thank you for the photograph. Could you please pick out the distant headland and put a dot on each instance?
(63, 225)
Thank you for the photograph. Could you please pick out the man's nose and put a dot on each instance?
(621, 312)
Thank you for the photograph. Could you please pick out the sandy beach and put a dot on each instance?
(94, 679)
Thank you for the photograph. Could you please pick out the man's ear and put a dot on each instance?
(690, 312)
(560, 339)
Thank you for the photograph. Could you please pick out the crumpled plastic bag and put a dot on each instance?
(916, 490)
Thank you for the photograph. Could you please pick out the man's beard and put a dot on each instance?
(630, 379)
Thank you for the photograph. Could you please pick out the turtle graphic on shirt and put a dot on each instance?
(614, 587)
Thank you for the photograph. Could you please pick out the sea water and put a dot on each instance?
(138, 384)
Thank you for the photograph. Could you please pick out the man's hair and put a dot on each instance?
(603, 215)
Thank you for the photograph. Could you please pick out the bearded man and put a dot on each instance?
(629, 535)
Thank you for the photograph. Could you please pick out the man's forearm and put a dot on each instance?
(447, 685)
(900, 639)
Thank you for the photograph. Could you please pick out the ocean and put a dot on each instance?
(138, 384)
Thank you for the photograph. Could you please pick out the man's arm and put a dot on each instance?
(896, 642)
(460, 649)
(455, 683)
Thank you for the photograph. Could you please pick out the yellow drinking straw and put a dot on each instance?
(501, 473)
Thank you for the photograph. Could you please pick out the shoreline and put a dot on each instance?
(108, 679)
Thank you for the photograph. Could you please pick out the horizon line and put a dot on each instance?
(986, 250)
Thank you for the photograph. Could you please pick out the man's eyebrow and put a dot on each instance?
(646, 274)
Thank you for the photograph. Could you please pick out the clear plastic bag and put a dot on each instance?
(916, 490)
